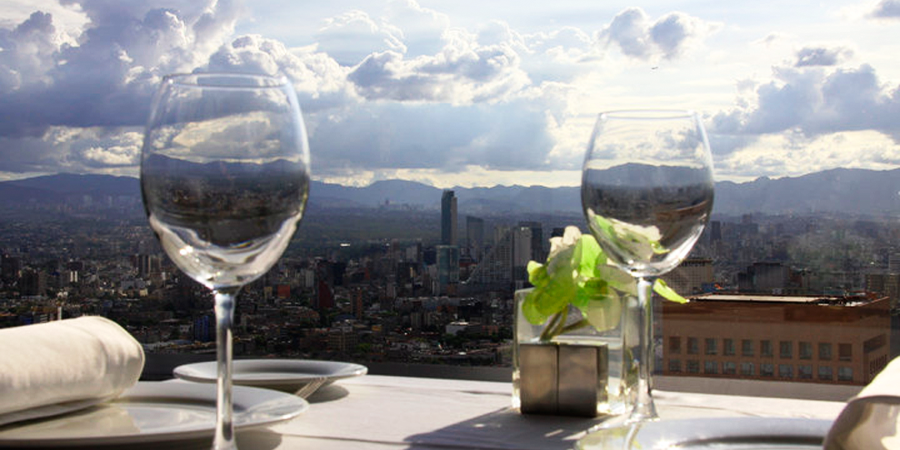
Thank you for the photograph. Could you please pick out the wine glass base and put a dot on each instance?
(643, 413)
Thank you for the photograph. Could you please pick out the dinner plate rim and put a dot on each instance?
(762, 432)
(205, 372)
(253, 408)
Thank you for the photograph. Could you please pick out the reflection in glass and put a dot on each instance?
(224, 179)
(647, 193)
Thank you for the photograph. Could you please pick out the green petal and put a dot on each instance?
(605, 314)
(537, 274)
(530, 311)
(618, 279)
(588, 254)
(663, 289)
(556, 295)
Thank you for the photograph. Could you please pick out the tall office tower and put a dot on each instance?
(537, 239)
(692, 276)
(448, 218)
(475, 236)
(448, 267)
(496, 268)
(894, 263)
(522, 253)
(715, 231)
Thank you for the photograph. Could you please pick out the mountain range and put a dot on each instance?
(853, 191)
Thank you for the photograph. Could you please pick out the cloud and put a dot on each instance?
(462, 72)
(391, 135)
(351, 36)
(813, 102)
(321, 83)
(886, 9)
(634, 34)
(67, 149)
(106, 79)
(821, 56)
(422, 28)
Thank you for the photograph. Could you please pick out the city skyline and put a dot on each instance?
(463, 94)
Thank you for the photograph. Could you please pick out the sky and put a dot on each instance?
(463, 92)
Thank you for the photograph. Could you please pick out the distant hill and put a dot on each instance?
(854, 191)
(57, 188)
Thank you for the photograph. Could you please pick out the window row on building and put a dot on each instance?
(765, 348)
(766, 370)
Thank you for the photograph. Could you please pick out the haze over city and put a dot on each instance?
(463, 93)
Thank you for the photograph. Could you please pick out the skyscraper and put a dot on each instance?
(448, 267)
(448, 218)
(475, 236)
(537, 239)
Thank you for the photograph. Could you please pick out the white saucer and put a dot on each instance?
(730, 433)
(153, 412)
(281, 374)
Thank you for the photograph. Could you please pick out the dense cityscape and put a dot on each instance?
(426, 286)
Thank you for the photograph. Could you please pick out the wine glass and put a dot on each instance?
(647, 193)
(224, 179)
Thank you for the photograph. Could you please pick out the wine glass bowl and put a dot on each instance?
(224, 180)
(647, 194)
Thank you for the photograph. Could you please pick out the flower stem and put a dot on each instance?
(580, 324)
(550, 330)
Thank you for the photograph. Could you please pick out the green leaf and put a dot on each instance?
(604, 225)
(530, 311)
(663, 289)
(537, 274)
(604, 314)
(556, 295)
(618, 279)
(588, 254)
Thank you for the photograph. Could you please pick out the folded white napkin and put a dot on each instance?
(871, 420)
(60, 366)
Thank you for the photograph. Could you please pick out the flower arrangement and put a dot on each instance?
(578, 273)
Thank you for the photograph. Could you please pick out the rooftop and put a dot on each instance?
(802, 299)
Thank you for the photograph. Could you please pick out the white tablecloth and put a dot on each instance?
(387, 412)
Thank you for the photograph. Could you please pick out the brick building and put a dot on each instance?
(817, 339)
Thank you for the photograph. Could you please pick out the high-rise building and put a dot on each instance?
(812, 339)
(692, 276)
(475, 236)
(496, 269)
(447, 267)
(885, 284)
(537, 239)
(448, 218)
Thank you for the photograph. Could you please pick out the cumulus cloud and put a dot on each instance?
(107, 77)
(67, 149)
(321, 83)
(463, 71)
(422, 28)
(887, 9)
(821, 56)
(813, 102)
(633, 32)
(350, 37)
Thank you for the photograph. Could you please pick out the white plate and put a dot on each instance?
(153, 412)
(283, 374)
(732, 433)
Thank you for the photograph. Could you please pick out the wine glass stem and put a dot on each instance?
(225, 301)
(644, 409)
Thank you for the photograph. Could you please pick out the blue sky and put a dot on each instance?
(469, 93)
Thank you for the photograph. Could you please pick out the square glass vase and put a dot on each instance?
(583, 372)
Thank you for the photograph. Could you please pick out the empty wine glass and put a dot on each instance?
(224, 178)
(647, 193)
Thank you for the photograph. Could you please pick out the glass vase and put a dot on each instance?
(583, 372)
